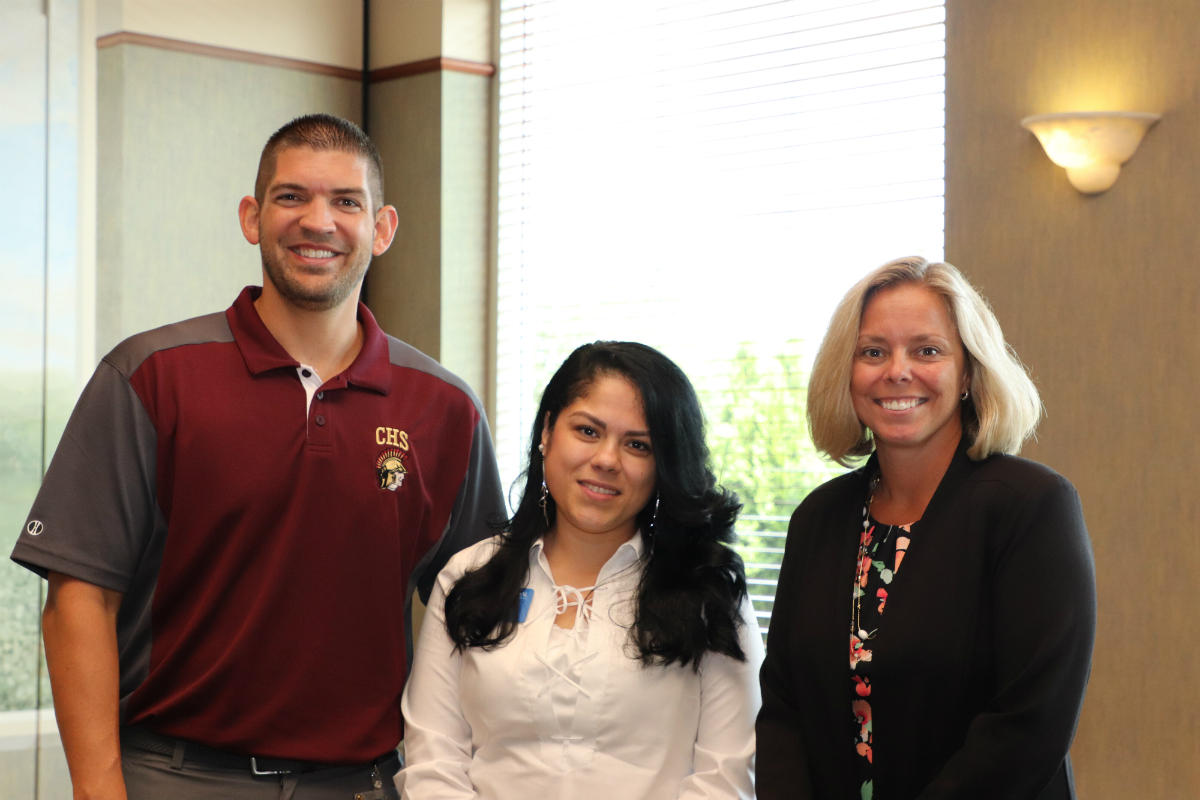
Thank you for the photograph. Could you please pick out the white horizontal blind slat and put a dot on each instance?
(708, 177)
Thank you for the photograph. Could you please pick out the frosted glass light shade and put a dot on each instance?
(1091, 145)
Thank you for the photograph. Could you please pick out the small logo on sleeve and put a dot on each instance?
(390, 469)
(35, 527)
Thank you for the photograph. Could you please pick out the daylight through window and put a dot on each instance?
(709, 177)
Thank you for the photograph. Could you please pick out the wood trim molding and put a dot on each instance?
(228, 53)
(436, 64)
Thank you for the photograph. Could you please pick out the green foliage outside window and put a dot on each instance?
(762, 451)
(20, 476)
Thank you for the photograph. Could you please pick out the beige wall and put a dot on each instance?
(179, 141)
(1101, 298)
(322, 31)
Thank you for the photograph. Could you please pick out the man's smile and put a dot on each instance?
(310, 252)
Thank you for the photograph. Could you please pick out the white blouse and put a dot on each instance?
(558, 713)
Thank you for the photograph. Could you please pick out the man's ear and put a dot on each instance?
(386, 223)
(248, 217)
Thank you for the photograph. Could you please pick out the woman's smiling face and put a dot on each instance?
(599, 461)
(909, 370)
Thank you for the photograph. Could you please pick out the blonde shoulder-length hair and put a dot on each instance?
(1003, 408)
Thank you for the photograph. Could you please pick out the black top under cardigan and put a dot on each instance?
(981, 660)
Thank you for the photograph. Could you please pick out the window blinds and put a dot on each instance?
(709, 177)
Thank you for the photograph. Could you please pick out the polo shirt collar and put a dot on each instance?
(372, 368)
(261, 352)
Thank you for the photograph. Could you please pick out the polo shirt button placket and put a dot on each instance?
(318, 432)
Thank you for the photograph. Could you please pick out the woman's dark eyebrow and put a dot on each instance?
(598, 423)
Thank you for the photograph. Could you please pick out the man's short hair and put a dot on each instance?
(321, 132)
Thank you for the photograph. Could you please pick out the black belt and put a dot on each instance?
(193, 753)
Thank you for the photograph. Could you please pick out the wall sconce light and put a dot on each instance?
(1091, 145)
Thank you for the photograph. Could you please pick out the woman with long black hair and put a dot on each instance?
(603, 644)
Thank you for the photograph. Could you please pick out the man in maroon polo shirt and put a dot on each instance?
(239, 506)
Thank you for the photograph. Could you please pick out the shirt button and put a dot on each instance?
(306, 373)
(320, 419)
(320, 395)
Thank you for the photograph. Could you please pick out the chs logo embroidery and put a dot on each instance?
(392, 436)
(390, 469)
(35, 527)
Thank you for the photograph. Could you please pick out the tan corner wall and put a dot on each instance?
(178, 145)
(405, 282)
(403, 31)
(431, 288)
(1101, 298)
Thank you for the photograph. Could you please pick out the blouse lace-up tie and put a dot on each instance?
(567, 597)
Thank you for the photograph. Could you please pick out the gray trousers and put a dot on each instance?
(150, 776)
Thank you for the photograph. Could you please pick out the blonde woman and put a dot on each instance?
(933, 627)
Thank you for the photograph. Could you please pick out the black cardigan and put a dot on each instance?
(981, 660)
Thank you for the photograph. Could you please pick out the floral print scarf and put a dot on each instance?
(878, 545)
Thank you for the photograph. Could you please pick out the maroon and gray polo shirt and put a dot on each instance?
(265, 542)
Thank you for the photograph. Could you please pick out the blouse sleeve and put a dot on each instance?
(1044, 607)
(437, 737)
(729, 701)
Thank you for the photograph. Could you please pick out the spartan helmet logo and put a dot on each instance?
(390, 469)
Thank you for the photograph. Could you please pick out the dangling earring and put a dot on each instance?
(545, 491)
(650, 533)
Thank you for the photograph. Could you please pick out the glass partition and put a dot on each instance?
(40, 358)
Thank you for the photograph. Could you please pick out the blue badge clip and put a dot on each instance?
(525, 602)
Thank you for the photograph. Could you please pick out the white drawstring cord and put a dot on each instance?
(566, 597)
(566, 678)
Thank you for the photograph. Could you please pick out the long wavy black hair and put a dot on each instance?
(693, 584)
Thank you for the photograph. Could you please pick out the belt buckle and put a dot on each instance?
(255, 770)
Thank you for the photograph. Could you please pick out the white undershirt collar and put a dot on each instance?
(311, 382)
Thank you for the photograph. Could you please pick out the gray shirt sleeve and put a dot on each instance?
(478, 509)
(96, 512)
